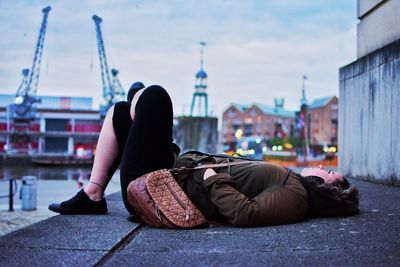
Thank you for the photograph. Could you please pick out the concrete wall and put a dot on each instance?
(379, 24)
(365, 6)
(369, 116)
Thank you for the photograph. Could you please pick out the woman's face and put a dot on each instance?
(329, 176)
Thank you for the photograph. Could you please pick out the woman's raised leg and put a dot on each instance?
(109, 149)
(142, 145)
(106, 158)
(149, 143)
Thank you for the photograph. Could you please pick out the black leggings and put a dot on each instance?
(145, 144)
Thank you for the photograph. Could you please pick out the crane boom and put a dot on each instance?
(21, 114)
(105, 75)
(112, 89)
(28, 89)
(35, 70)
(26, 93)
(117, 86)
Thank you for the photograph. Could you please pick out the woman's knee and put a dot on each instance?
(148, 97)
(110, 113)
(121, 107)
(152, 98)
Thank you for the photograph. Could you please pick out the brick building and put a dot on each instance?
(260, 120)
(323, 120)
(255, 120)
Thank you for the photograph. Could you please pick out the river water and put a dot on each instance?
(46, 173)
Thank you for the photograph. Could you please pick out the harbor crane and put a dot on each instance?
(22, 112)
(112, 88)
(23, 109)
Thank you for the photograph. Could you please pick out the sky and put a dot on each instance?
(257, 50)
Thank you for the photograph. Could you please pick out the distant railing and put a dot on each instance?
(12, 191)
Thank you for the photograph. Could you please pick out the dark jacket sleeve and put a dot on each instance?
(272, 206)
(232, 204)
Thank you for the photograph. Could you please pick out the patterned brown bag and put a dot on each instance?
(160, 202)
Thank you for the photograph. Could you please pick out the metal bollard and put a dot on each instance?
(28, 193)
(11, 195)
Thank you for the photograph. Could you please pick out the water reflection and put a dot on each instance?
(79, 174)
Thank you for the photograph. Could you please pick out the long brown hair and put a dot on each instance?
(330, 200)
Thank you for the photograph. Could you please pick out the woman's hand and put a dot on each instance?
(208, 173)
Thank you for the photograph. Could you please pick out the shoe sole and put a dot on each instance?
(68, 211)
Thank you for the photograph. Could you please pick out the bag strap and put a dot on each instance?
(226, 156)
(287, 176)
(206, 166)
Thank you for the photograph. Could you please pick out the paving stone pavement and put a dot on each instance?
(12, 221)
(48, 191)
(369, 239)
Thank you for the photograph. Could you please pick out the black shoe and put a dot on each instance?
(80, 204)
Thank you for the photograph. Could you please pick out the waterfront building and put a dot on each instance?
(323, 116)
(266, 122)
(66, 126)
(255, 120)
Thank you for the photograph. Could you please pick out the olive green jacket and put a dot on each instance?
(253, 194)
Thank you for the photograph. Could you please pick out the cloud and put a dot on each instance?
(257, 50)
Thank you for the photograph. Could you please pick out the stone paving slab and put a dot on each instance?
(48, 257)
(17, 219)
(95, 233)
(63, 240)
(90, 232)
(369, 239)
(48, 191)
(340, 257)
